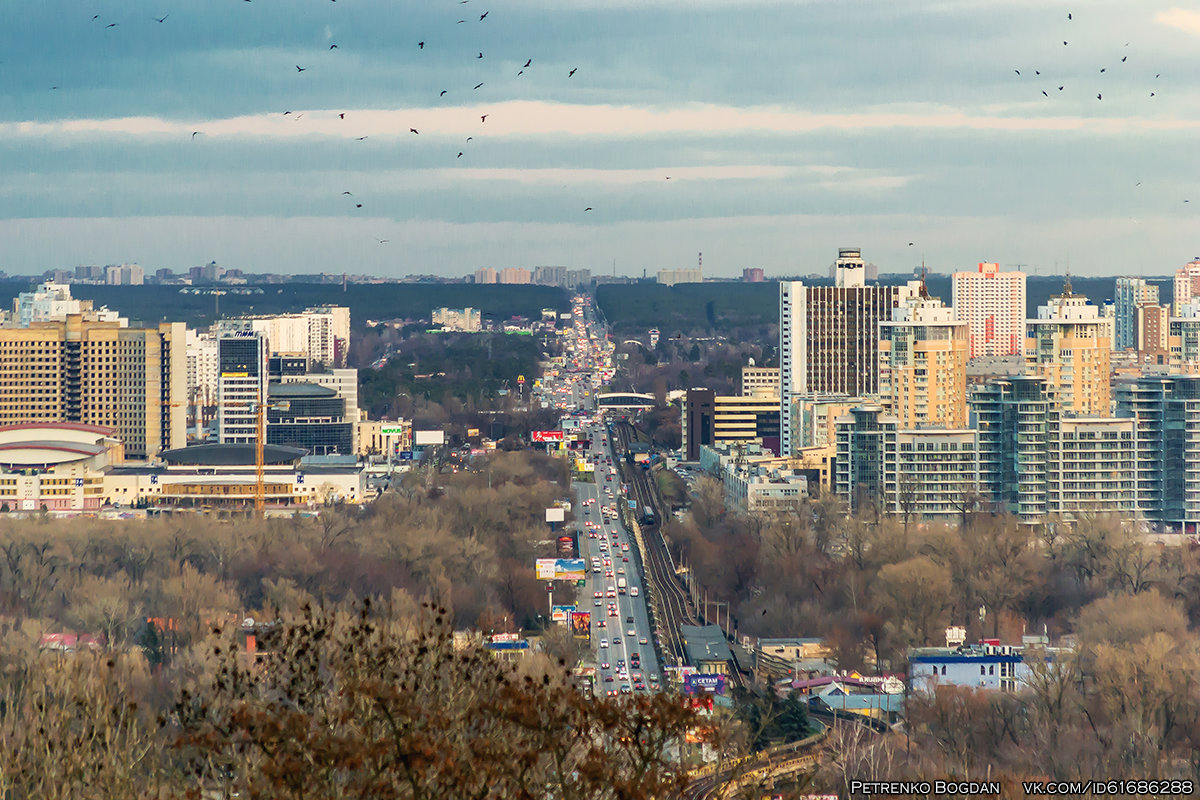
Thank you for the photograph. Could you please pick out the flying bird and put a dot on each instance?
(1123, 59)
(383, 241)
(589, 208)
(413, 130)
(1139, 183)
(1017, 71)
(286, 113)
(342, 115)
(1060, 88)
(1068, 15)
(421, 45)
(1064, 44)
(1098, 96)
(520, 73)
(358, 205)
(469, 138)
(95, 18)
(1157, 74)
(1102, 70)
(1035, 72)
(110, 25)
(479, 56)
(349, 193)
(572, 72)
(1044, 92)
(161, 19)
(360, 138)
(195, 133)
(443, 94)
(300, 68)
(1152, 94)
(910, 244)
(478, 85)
(333, 47)
(483, 118)
(668, 177)
(527, 63)
(459, 154)
(484, 14)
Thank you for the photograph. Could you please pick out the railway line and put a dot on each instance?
(670, 603)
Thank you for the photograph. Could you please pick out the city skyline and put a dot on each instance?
(782, 137)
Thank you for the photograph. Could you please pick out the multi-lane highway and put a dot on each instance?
(622, 633)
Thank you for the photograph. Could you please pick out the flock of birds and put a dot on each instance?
(296, 116)
(1102, 71)
(300, 69)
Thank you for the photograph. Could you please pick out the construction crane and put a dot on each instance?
(260, 438)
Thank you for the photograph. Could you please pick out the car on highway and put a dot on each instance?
(604, 665)
(631, 633)
(608, 678)
(597, 602)
(604, 643)
(625, 688)
(643, 640)
(629, 619)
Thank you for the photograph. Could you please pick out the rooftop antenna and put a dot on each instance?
(343, 283)
(924, 292)
(1067, 281)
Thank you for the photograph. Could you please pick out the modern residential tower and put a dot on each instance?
(992, 303)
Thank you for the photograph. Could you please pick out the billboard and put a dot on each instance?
(561, 613)
(704, 682)
(546, 436)
(560, 569)
(426, 438)
(393, 430)
(555, 514)
(581, 624)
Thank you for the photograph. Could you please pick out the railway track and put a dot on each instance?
(671, 606)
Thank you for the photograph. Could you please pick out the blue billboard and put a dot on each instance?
(699, 682)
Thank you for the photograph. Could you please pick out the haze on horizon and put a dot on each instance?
(786, 129)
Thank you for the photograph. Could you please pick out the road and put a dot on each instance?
(613, 542)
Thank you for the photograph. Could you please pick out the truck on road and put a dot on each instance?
(621, 586)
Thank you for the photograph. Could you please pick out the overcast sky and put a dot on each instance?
(786, 129)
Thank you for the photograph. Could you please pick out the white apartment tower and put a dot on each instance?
(829, 335)
(992, 303)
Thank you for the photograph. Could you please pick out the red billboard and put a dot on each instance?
(546, 436)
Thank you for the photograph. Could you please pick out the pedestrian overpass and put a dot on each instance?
(624, 400)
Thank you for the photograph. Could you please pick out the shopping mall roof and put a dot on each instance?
(230, 455)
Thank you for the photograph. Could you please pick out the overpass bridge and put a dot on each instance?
(624, 400)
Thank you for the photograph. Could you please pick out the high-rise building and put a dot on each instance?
(321, 333)
(698, 412)
(1151, 326)
(1130, 294)
(52, 302)
(1167, 415)
(125, 275)
(1036, 460)
(829, 335)
(485, 275)
(927, 473)
(670, 277)
(1069, 344)
(992, 303)
(1187, 283)
(469, 320)
(923, 364)
(753, 275)
(518, 275)
(242, 385)
(309, 416)
(131, 380)
(1183, 339)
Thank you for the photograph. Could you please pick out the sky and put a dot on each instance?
(757, 133)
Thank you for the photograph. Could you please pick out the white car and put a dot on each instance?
(604, 642)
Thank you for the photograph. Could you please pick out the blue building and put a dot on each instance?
(978, 666)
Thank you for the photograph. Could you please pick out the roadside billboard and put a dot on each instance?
(704, 682)
(546, 436)
(427, 438)
(560, 569)
(561, 613)
(581, 625)
(393, 430)
(555, 514)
